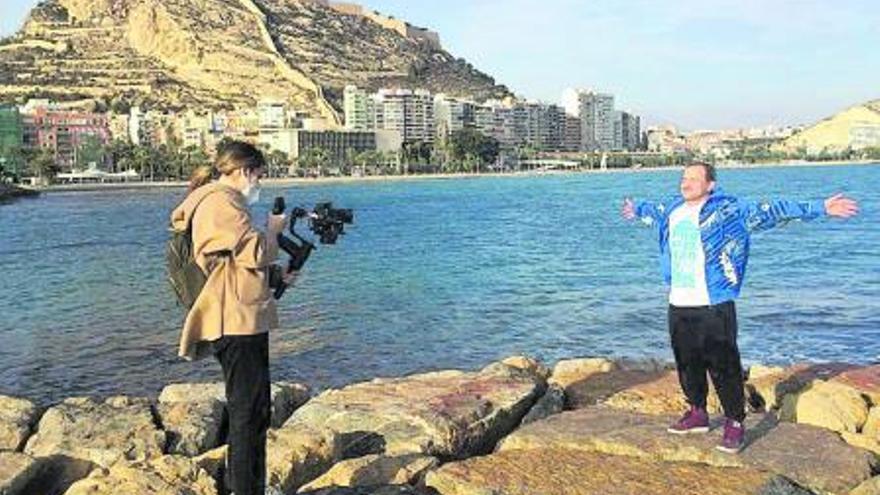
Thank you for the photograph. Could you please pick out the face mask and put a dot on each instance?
(251, 193)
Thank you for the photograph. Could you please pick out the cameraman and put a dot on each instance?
(234, 311)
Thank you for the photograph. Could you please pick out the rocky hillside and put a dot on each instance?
(856, 127)
(218, 53)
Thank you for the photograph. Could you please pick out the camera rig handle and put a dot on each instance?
(298, 251)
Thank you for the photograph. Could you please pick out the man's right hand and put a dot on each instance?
(629, 209)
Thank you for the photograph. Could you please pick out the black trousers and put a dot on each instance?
(704, 339)
(245, 363)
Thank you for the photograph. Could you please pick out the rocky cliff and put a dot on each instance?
(856, 127)
(218, 53)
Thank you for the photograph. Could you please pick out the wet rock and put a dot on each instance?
(16, 471)
(662, 395)
(564, 472)
(166, 475)
(17, 417)
(443, 414)
(828, 405)
(98, 432)
(375, 470)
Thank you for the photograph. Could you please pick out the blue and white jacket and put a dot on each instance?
(726, 223)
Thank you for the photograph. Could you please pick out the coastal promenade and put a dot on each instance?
(514, 427)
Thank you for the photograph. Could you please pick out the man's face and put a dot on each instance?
(694, 184)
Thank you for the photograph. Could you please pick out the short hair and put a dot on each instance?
(707, 167)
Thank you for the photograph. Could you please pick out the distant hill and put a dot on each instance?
(856, 127)
(219, 53)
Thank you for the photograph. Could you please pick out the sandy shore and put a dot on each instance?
(387, 178)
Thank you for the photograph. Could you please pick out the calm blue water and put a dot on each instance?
(435, 274)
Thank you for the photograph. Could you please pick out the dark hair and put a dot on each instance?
(231, 156)
(708, 167)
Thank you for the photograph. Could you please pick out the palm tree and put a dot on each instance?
(43, 166)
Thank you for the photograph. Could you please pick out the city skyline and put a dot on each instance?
(697, 65)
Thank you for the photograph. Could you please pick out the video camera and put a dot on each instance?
(326, 222)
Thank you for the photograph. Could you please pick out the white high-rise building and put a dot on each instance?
(411, 113)
(359, 109)
(452, 114)
(597, 121)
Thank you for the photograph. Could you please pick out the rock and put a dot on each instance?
(372, 490)
(864, 379)
(444, 414)
(812, 457)
(192, 427)
(599, 386)
(552, 402)
(166, 475)
(375, 470)
(869, 487)
(213, 462)
(193, 413)
(16, 471)
(861, 441)
(767, 386)
(650, 365)
(872, 424)
(17, 417)
(828, 405)
(571, 371)
(193, 392)
(561, 471)
(286, 398)
(296, 455)
(662, 395)
(98, 432)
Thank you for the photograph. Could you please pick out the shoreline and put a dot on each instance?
(288, 181)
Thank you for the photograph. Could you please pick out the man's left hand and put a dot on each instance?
(841, 206)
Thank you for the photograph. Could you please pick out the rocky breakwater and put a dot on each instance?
(9, 192)
(514, 427)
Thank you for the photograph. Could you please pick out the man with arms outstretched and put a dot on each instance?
(704, 247)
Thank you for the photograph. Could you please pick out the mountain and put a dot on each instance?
(174, 54)
(856, 127)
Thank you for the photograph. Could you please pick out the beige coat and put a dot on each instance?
(235, 299)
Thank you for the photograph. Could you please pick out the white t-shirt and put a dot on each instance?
(688, 265)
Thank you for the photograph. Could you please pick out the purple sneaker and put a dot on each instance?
(696, 420)
(734, 437)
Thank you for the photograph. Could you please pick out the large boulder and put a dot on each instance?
(599, 386)
(562, 471)
(192, 427)
(193, 413)
(16, 471)
(166, 475)
(296, 455)
(17, 417)
(448, 414)
(98, 432)
(864, 379)
(371, 490)
(815, 458)
(552, 402)
(375, 470)
(869, 487)
(828, 405)
(767, 386)
(571, 371)
(661, 395)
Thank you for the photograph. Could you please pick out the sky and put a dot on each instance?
(698, 64)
